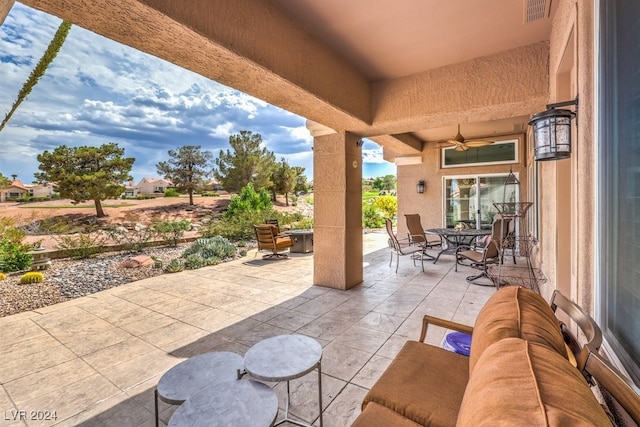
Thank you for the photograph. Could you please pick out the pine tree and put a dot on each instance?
(247, 161)
(86, 173)
(284, 179)
(187, 168)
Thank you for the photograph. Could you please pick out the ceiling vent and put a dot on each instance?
(535, 10)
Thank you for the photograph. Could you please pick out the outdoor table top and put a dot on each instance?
(458, 232)
(283, 357)
(229, 404)
(188, 377)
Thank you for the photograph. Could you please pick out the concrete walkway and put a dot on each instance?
(95, 360)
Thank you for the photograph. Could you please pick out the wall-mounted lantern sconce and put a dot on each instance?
(420, 187)
(359, 143)
(552, 131)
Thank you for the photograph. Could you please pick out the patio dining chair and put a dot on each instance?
(503, 234)
(479, 259)
(419, 237)
(269, 240)
(401, 247)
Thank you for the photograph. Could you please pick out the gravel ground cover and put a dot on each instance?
(67, 279)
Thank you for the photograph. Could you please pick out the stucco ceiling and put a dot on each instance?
(388, 39)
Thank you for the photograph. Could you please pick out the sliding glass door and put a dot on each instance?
(468, 200)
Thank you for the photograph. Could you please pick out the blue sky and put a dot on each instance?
(98, 91)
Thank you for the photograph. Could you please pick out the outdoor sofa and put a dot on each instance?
(524, 368)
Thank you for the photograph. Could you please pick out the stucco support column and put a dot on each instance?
(337, 210)
(5, 7)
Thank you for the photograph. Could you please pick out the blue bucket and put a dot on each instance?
(458, 342)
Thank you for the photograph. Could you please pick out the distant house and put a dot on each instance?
(19, 190)
(39, 190)
(130, 192)
(148, 186)
(214, 185)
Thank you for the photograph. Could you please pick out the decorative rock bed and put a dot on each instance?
(67, 278)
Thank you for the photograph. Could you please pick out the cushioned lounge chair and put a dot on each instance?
(269, 240)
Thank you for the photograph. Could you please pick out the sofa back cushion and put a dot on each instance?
(514, 312)
(516, 382)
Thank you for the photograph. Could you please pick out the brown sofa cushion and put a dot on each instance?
(516, 382)
(515, 312)
(375, 415)
(424, 383)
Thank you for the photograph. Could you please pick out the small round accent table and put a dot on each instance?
(235, 403)
(283, 358)
(189, 377)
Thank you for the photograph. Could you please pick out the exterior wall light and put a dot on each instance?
(420, 187)
(552, 131)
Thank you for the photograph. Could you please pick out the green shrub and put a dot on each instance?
(56, 225)
(174, 266)
(208, 251)
(304, 224)
(248, 200)
(216, 247)
(131, 240)
(143, 197)
(194, 261)
(10, 231)
(214, 194)
(287, 218)
(239, 227)
(171, 192)
(31, 277)
(82, 245)
(14, 256)
(388, 205)
(371, 216)
(171, 232)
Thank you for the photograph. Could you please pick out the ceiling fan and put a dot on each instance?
(462, 145)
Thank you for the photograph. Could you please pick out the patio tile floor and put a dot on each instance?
(96, 360)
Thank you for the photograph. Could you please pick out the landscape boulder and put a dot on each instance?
(137, 262)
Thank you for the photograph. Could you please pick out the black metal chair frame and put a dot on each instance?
(479, 259)
(402, 247)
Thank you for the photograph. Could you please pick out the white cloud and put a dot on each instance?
(299, 132)
(223, 130)
(372, 152)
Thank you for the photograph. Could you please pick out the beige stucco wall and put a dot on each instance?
(430, 204)
(573, 23)
(337, 210)
(506, 84)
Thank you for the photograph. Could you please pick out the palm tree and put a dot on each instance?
(48, 57)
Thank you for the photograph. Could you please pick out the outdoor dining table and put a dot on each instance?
(454, 237)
